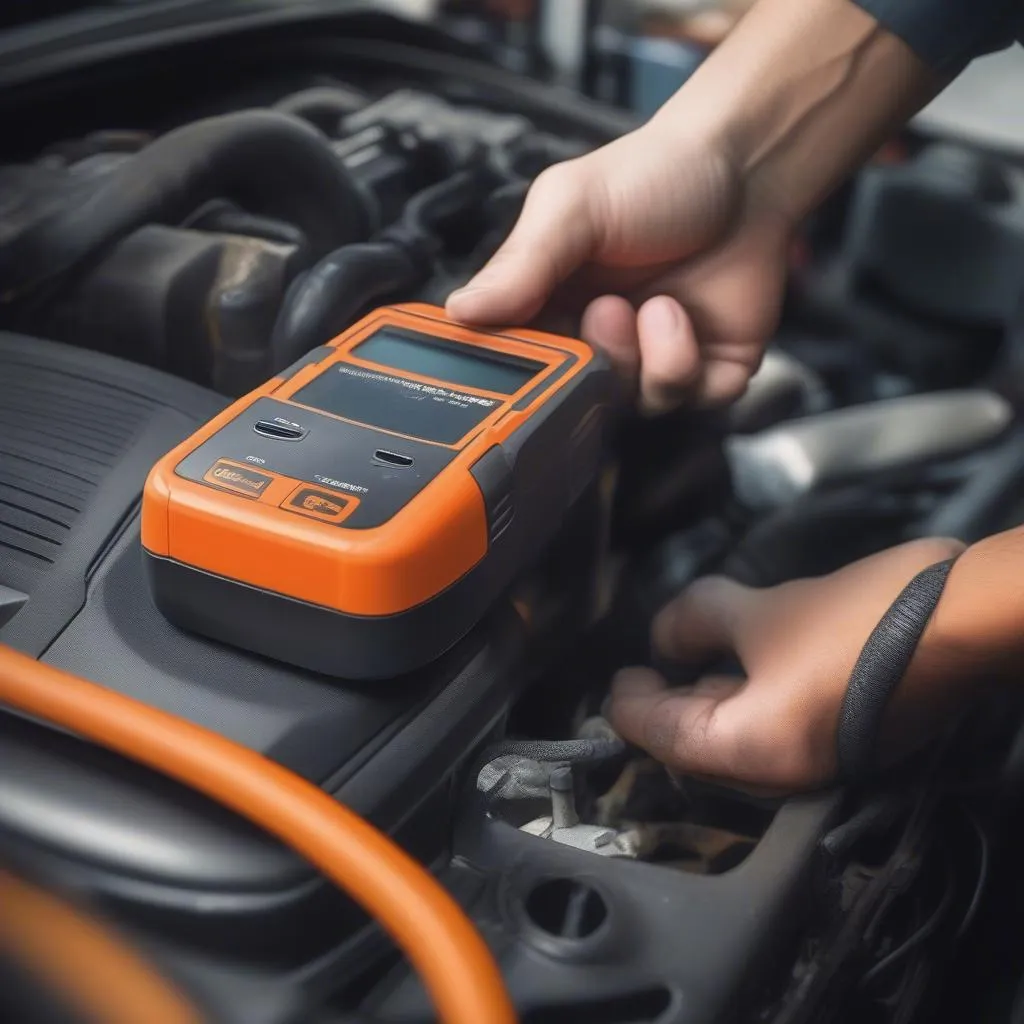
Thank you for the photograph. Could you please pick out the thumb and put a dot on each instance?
(554, 235)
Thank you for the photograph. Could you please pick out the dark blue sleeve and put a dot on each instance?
(949, 34)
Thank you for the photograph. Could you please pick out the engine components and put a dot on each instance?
(942, 234)
(775, 466)
(459, 133)
(270, 163)
(221, 250)
(927, 270)
(324, 301)
(783, 388)
(197, 303)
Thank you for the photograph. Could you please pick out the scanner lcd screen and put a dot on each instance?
(451, 362)
(378, 398)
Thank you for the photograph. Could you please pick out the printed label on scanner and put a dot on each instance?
(244, 481)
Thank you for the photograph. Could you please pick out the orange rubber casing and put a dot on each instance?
(221, 527)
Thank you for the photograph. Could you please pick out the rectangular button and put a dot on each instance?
(317, 503)
(279, 431)
(237, 479)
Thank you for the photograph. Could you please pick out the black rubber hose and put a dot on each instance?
(322, 105)
(229, 219)
(269, 163)
(323, 302)
(427, 212)
(818, 535)
(326, 299)
(987, 500)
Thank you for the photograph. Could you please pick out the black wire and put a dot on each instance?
(924, 932)
(984, 867)
(584, 750)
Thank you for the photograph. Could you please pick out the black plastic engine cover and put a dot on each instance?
(78, 433)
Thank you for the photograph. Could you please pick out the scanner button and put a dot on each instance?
(317, 504)
(238, 479)
(395, 460)
(279, 431)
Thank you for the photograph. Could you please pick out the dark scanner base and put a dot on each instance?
(308, 636)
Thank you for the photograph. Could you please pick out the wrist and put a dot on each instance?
(972, 645)
(975, 633)
(801, 92)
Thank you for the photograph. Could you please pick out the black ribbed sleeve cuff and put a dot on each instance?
(882, 664)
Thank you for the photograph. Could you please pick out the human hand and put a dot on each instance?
(798, 643)
(653, 249)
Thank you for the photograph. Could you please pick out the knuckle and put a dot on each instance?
(709, 589)
(574, 188)
(662, 732)
(717, 596)
(686, 736)
(916, 555)
(942, 547)
(670, 383)
(558, 183)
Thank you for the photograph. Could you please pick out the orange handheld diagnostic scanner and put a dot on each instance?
(358, 514)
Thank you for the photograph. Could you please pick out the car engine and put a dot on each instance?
(166, 248)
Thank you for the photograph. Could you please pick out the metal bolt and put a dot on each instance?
(563, 798)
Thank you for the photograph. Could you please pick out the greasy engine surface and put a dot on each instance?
(165, 247)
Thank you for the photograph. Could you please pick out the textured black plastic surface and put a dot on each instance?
(666, 947)
(78, 432)
(161, 854)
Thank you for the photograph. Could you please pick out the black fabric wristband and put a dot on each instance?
(882, 663)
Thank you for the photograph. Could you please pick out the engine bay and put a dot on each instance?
(178, 226)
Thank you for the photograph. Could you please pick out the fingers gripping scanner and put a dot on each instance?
(358, 514)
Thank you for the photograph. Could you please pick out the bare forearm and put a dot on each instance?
(978, 626)
(799, 94)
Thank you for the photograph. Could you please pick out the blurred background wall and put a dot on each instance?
(636, 53)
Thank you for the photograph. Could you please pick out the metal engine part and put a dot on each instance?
(778, 465)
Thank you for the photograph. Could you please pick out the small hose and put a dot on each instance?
(588, 750)
(269, 163)
(324, 301)
(427, 211)
(528, 775)
(321, 303)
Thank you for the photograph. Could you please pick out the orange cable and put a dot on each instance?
(455, 965)
(75, 955)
